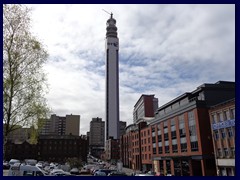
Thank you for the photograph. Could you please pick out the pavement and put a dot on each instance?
(5, 172)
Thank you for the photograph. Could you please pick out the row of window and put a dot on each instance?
(194, 147)
(224, 115)
(226, 152)
(223, 132)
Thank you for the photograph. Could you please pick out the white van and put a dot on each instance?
(25, 170)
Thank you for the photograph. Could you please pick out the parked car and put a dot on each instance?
(55, 171)
(13, 161)
(85, 171)
(100, 173)
(63, 174)
(144, 174)
(31, 162)
(106, 171)
(74, 171)
(116, 173)
(6, 165)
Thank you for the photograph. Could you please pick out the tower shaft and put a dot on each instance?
(112, 81)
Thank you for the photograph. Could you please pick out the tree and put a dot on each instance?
(24, 82)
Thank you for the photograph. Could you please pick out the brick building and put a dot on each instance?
(49, 148)
(222, 118)
(179, 136)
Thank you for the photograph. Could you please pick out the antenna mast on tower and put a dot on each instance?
(108, 13)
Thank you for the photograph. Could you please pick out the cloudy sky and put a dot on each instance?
(165, 50)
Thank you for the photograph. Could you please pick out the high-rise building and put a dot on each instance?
(112, 81)
(72, 125)
(58, 125)
(96, 137)
(145, 108)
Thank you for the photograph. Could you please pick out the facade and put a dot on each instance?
(112, 150)
(145, 108)
(49, 148)
(222, 118)
(112, 81)
(122, 126)
(58, 125)
(72, 125)
(181, 131)
(96, 136)
(178, 139)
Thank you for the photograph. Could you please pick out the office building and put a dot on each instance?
(178, 140)
(145, 108)
(57, 125)
(96, 136)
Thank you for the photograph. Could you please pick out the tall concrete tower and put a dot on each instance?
(112, 81)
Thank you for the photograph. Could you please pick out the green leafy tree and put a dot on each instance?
(24, 82)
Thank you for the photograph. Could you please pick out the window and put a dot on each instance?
(226, 115)
(230, 132)
(184, 147)
(166, 136)
(226, 153)
(173, 134)
(153, 139)
(182, 132)
(220, 116)
(160, 138)
(223, 133)
(172, 122)
(194, 146)
(166, 149)
(154, 150)
(174, 148)
(192, 130)
(153, 128)
(216, 135)
(232, 112)
(159, 150)
(219, 152)
(214, 118)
